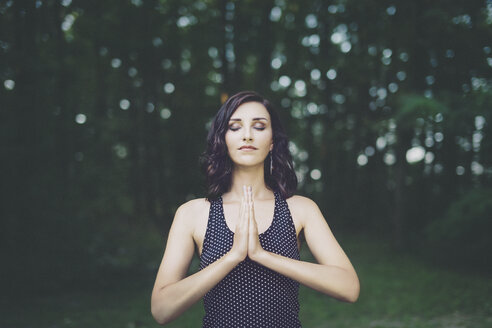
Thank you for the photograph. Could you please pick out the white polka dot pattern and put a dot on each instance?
(251, 295)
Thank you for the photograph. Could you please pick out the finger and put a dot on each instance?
(252, 208)
(242, 208)
(245, 195)
(253, 224)
(248, 195)
(245, 200)
(250, 204)
(246, 216)
(242, 213)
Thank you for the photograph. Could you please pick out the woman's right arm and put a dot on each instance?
(173, 292)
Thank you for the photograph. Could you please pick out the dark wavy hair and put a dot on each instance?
(217, 165)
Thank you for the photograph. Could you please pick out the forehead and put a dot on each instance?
(250, 110)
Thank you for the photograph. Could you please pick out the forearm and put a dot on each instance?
(335, 281)
(170, 301)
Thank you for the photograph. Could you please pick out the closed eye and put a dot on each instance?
(257, 128)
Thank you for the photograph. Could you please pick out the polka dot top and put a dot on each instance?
(251, 295)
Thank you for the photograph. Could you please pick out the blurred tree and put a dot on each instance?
(105, 106)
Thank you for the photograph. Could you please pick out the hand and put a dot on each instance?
(239, 249)
(254, 246)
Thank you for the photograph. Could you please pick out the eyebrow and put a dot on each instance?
(254, 119)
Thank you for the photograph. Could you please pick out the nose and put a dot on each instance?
(247, 134)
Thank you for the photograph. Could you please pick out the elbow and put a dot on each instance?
(349, 291)
(160, 316)
(352, 298)
(160, 312)
(353, 293)
(349, 297)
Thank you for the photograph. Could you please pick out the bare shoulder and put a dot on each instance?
(193, 214)
(302, 209)
(194, 206)
(300, 203)
(192, 209)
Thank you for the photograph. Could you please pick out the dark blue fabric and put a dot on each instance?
(251, 295)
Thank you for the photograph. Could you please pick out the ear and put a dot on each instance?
(271, 147)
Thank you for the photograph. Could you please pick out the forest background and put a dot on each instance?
(105, 107)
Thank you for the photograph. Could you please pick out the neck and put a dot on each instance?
(249, 176)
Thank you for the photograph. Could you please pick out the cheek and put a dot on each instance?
(227, 138)
(267, 138)
(230, 141)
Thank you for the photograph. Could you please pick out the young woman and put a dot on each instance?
(246, 231)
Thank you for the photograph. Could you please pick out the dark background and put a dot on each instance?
(105, 106)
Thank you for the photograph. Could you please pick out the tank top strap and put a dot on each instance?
(220, 217)
(216, 225)
(213, 214)
(282, 219)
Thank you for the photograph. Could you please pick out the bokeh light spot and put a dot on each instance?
(284, 81)
(346, 46)
(479, 122)
(415, 154)
(115, 62)
(331, 74)
(165, 113)
(315, 74)
(391, 10)
(389, 158)
(362, 160)
(311, 21)
(168, 88)
(438, 136)
(460, 170)
(275, 14)
(315, 174)
(276, 63)
(124, 104)
(369, 151)
(9, 84)
(476, 168)
(80, 118)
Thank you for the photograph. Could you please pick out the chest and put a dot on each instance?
(264, 215)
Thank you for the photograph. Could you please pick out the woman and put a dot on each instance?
(247, 231)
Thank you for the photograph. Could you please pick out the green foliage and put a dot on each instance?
(104, 107)
(462, 235)
(412, 107)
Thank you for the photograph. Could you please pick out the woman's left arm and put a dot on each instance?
(333, 275)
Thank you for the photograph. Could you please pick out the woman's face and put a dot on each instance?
(249, 125)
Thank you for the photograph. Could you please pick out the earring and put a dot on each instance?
(271, 162)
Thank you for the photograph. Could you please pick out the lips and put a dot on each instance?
(247, 147)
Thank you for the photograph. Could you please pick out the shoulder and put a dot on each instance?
(297, 202)
(193, 206)
(303, 208)
(188, 212)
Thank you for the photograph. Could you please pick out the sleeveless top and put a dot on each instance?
(251, 295)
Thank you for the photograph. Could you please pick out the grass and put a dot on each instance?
(396, 291)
